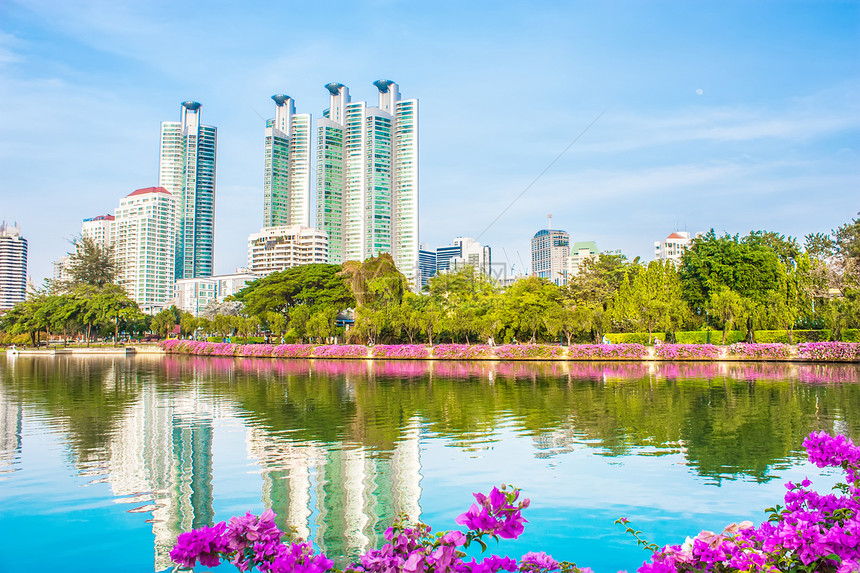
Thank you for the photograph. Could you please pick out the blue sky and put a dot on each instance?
(731, 115)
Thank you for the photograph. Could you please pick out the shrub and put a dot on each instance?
(591, 351)
(759, 350)
(508, 351)
(461, 351)
(687, 351)
(630, 337)
(341, 351)
(836, 351)
(293, 350)
(400, 351)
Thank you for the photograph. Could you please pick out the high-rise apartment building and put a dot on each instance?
(275, 249)
(550, 252)
(13, 266)
(367, 177)
(100, 229)
(187, 171)
(473, 254)
(287, 174)
(145, 228)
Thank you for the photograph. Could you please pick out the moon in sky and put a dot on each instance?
(700, 92)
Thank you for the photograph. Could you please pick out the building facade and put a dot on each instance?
(187, 171)
(145, 228)
(287, 173)
(61, 268)
(672, 247)
(100, 229)
(550, 253)
(367, 177)
(473, 254)
(274, 249)
(426, 266)
(194, 295)
(580, 252)
(13, 266)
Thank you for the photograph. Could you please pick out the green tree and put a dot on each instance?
(91, 264)
(749, 267)
(164, 322)
(726, 305)
(525, 304)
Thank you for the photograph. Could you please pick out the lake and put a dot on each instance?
(104, 461)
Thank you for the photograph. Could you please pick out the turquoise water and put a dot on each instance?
(103, 462)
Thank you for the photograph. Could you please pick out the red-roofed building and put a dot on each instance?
(672, 247)
(144, 234)
(146, 190)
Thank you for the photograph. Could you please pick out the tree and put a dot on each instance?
(748, 267)
(727, 305)
(317, 285)
(91, 264)
(164, 322)
(526, 302)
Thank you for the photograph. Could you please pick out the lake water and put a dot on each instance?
(103, 462)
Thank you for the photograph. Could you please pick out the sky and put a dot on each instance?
(624, 120)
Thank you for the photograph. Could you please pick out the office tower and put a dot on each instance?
(287, 176)
(275, 249)
(100, 229)
(426, 266)
(145, 238)
(13, 266)
(550, 252)
(367, 177)
(61, 269)
(187, 171)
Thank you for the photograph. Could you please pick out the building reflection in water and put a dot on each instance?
(11, 415)
(162, 457)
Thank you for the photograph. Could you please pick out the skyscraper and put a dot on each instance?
(287, 175)
(13, 266)
(367, 177)
(187, 171)
(550, 251)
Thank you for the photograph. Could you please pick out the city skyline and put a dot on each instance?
(725, 115)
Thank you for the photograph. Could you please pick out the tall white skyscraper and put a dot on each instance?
(13, 266)
(145, 228)
(187, 171)
(287, 175)
(367, 177)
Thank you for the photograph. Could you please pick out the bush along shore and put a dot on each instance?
(808, 351)
(810, 533)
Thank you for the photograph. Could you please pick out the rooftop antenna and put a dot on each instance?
(549, 221)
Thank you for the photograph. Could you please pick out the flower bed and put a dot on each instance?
(341, 351)
(810, 533)
(400, 351)
(686, 351)
(829, 351)
(593, 351)
(461, 351)
(254, 350)
(293, 351)
(773, 350)
(508, 351)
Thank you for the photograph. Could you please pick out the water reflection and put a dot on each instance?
(338, 443)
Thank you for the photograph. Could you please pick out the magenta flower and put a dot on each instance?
(204, 545)
(532, 561)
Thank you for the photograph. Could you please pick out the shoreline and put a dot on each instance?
(451, 353)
